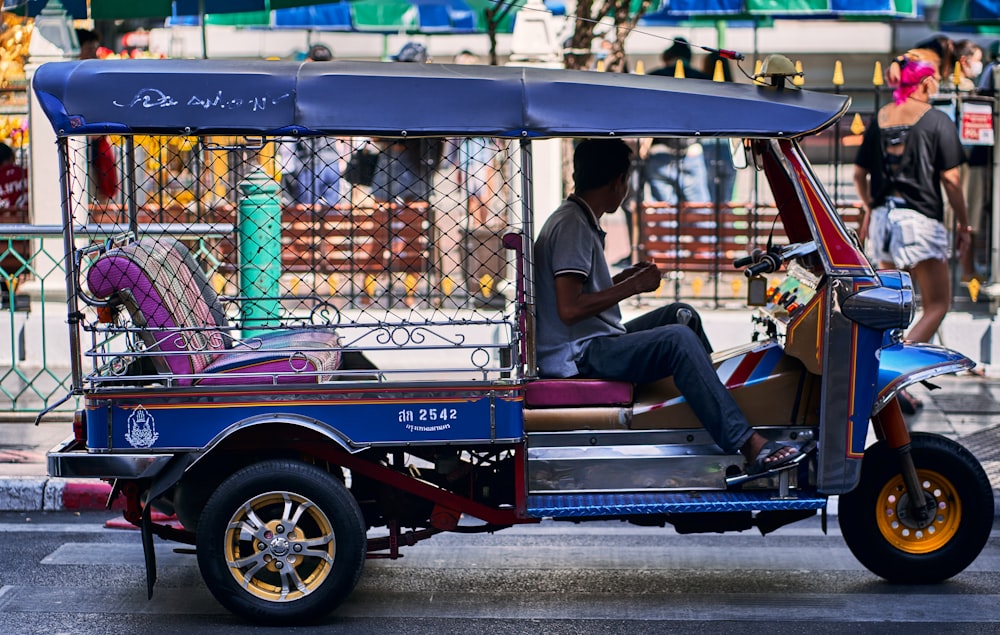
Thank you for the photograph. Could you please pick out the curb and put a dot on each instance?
(35, 493)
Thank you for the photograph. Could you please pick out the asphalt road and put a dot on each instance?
(65, 573)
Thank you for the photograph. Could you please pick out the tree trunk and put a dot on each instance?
(624, 23)
(492, 24)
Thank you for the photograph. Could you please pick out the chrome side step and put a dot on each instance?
(613, 461)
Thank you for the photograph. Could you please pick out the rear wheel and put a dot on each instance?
(281, 542)
(888, 538)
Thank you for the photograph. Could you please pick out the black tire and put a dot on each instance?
(884, 538)
(308, 552)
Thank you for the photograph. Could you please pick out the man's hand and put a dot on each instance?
(645, 276)
(575, 305)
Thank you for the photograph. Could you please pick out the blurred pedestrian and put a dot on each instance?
(405, 167)
(980, 186)
(718, 158)
(969, 64)
(679, 51)
(412, 52)
(675, 167)
(969, 57)
(13, 209)
(987, 81)
(473, 160)
(942, 46)
(13, 183)
(102, 159)
(315, 178)
(467, 57)
(910, 152)
(89, 42)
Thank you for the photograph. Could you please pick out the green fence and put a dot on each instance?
(35, 370)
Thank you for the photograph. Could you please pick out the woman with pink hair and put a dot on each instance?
(910, 152)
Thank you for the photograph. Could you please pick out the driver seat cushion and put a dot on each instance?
(562, 393)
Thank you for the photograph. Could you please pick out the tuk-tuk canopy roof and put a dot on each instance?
(393, 99)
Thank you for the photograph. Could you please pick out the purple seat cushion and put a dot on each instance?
(562, 393)
(165, 297)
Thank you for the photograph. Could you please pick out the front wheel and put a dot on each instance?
(281, 542)
(890, 540)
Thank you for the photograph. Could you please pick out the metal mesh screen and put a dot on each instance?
(393, 244)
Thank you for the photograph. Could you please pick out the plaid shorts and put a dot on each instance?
(905, 237)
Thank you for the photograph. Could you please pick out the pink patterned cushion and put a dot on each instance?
(556, 393)
(162, 294)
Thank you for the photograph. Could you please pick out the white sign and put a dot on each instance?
(976, 124)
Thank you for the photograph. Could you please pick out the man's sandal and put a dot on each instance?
(761, 464)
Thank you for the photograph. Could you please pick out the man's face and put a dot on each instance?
(622, 187)
(88, 51)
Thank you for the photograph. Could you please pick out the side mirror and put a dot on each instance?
(738, 152)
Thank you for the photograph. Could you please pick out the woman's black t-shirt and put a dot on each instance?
(931, 146)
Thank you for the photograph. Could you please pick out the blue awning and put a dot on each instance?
(395, 99)
(812, 9)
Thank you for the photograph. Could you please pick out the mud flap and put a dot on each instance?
(901, 365)
(148, 550)
(166, 479)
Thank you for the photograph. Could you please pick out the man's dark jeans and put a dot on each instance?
(669, 342)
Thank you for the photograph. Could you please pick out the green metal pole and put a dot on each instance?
(259, 229)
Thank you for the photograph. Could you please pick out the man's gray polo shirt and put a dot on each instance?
(570, 242)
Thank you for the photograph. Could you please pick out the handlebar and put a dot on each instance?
(760, 261)
(768, 263)
(754, 256)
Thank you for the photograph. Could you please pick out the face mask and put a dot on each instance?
(975, 69)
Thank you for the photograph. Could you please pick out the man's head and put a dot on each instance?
(467, 57)
(319, 53)
(89, 43)
(411, 52)
(679, 50)
(599, 163)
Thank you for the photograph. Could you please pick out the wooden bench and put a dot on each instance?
(344, 239)
(694, 237)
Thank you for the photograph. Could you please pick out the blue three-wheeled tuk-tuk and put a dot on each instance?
(304, 324)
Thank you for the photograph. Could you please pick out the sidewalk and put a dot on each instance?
(966, 409)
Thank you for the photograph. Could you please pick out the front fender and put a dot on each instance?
(903, 364)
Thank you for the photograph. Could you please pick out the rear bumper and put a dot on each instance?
(70, 459)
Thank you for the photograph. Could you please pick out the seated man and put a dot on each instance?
(580, 330)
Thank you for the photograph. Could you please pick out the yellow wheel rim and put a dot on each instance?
(904, 532)
(280, 546)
